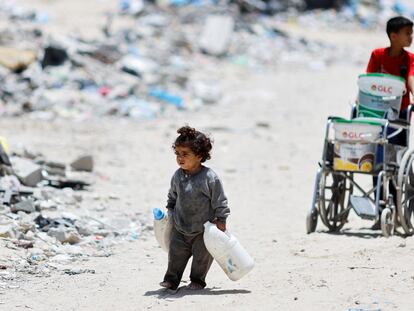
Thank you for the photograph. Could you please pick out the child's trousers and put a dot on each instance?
(182, 247)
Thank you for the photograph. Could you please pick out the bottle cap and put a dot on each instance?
(158, 213)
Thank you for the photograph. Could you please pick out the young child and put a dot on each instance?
(196, 195)
(395, 60)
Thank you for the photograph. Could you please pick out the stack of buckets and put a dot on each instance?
(380, 95)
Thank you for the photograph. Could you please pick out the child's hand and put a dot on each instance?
(221, 225)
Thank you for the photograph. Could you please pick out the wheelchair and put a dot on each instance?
(365, 145)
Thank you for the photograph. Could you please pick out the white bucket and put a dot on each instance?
(354, 148)
(227, 251)
(379, 84)
(379, 106)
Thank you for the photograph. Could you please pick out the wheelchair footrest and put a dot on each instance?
(363, 207)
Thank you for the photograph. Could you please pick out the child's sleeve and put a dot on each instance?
(411, 66)
(219, 200)
(373, 65)
(172, 195)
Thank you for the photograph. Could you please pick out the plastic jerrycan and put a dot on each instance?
(162, 228)
(227, 251)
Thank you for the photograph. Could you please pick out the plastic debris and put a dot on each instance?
(216, 35)
(15, 59)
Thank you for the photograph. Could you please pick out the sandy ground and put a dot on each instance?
(268, 174)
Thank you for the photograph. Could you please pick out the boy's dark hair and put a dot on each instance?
(198, 142)
(395, 24)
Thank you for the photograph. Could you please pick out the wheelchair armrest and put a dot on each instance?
(392, 166)
(400, 122)
(335, 118)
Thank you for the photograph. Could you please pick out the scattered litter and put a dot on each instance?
(75, 271)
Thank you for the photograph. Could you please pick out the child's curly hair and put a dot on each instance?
(198, 142)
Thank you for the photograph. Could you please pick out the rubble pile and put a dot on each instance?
(48, 221)
(170, 59)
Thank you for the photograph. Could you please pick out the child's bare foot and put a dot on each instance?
(166, 284)
(195, 286)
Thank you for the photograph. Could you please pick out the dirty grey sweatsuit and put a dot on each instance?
(193, 200)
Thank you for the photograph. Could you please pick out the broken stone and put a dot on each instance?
(24, 206)
(84, 163)
(29, 173)
(64, 235)
(107, 54)
(58, 233)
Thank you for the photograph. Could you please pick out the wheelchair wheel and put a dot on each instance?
(311, 221)
(405, 193)
(312, 216)
(387, 222)
(334, 192)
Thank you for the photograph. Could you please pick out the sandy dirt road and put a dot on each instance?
(268, 132)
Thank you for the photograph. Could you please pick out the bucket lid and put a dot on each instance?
(382, 84)
(369, 121)
(381, 75)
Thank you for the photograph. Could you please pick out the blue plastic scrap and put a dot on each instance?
(167, 97)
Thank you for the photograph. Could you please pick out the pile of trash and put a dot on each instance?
(48, 221)
(172, 59)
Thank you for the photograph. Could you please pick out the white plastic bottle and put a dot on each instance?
(162, 228)
(227, 251)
